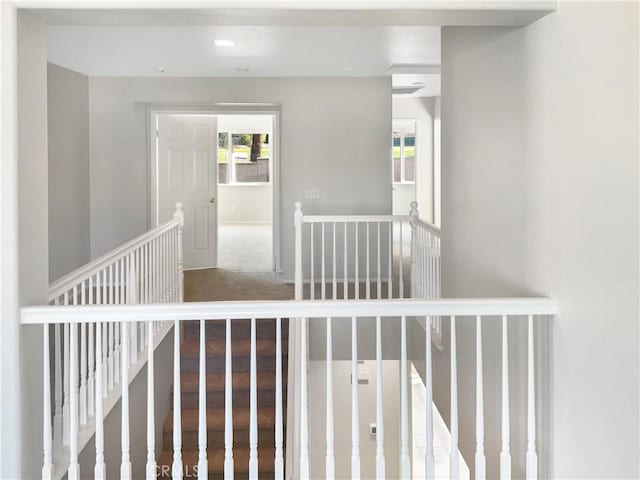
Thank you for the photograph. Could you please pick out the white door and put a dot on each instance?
(187, 172)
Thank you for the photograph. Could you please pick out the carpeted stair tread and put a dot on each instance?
(215, 418)
(216, 381)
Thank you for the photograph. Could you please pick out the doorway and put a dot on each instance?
(223, 167)
(245, 192)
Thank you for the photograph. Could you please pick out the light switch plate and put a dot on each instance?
(312, 194)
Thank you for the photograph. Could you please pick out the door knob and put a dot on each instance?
(212, 200)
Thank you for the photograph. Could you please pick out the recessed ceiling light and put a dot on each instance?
(160, 69)
(349, 69)
(242, 69)
(224, 43)
(418, 84)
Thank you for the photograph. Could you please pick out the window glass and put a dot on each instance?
(246, 160)
(410, 157)
(397, 164)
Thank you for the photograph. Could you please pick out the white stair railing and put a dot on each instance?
(397, 310)
(94, 362)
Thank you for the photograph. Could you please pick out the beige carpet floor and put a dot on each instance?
(217, 284)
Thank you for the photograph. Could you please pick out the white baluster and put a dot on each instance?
(368, 281)
(150, 467)
(67, 372)
(203, 470)
(57, 416)
(106, 328)
(355, 416)
(356, 257)
(405, 465)
(100, 467)
(429, 460)
(312, 281)
(47, 465)
(228, 407)
(380, 462)
(297, 217)
(480, 461)
(125, 464)
(345, 286)
(133, 284)
(253, 408)
(74, 468)
(116, 325)
(401, 262)
(176, 468)
(390, 267)
(454, 463)
(92, 358)
(323, 285)
(532, 457)
(505, 454)
(335, 282)
(304, 405)
(414, 251)
(279, 460)
(83, 370)
(379, 296)
(330, 467)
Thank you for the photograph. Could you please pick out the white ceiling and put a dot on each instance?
(259, 51)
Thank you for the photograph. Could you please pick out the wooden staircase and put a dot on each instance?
(266, 389)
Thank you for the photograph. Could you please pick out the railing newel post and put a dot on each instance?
(413, 213)
(297, 218)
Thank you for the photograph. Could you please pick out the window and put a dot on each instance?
(243, 157)
(404, 151)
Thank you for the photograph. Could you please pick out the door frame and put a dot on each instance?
(218, 109)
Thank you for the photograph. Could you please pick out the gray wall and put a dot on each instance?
(335, 137)
(342, 418)
(69, 212)
(32, 229)
(540, 196)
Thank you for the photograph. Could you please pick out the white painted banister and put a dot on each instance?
(505, 450)
(100, 468)
(176, 466)
(454, 460)
(330, 463)
(279, 459)
(380, 461)
(355, 416)
(150, 467)
(203, 470)
(47, 462)
(126, 274)
(128, 316)
(253, 407)
(405, 466)
(532, 457)
(480, 461)
(228, 406)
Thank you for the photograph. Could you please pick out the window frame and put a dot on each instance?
(404, 126)
(231, 170)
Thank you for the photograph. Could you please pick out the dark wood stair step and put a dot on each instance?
(240, 328)
(240, 363)
(215, 419)
(240, 398)
(216, 438)
(239, 347)
(190, 382)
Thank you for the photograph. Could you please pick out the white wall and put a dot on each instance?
(245, 203)
(540, 196)
(69, 212)
(324, 145)
(421, 109)
(342, 418)
(32, 228)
